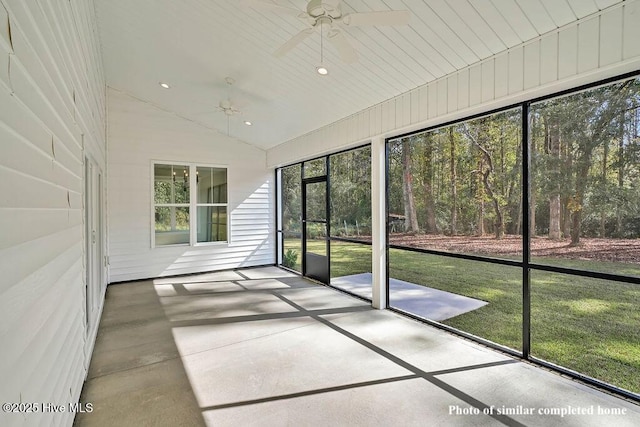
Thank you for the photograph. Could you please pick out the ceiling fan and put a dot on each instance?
(227, 106)
(321, 13)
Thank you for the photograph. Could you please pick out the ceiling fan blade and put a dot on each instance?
(293, 42)
(347, 53)
(272, 6)
(390, 17)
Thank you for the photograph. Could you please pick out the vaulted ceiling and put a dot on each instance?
(194, 45)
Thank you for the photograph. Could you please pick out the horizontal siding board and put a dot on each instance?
(18, 154)
(250, 187)
(32, 224)
(55, 57)
(4, 69)
(33, 290)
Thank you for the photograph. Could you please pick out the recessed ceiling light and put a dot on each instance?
(164, 85)
(248, 123)
(322, 70)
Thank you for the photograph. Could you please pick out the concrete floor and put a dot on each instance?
(265, 347)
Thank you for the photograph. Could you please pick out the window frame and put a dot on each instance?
(192, 205)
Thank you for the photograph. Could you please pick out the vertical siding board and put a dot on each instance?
(568, 52)
(463, 89)
(452, 93)
(475, 85)
(442, 97)
(631, 34)
(532, 65)
(588, 44)
(516, 72)
(433, 101)
(549, 58)
(611, 24)
(501, 82)
(424, 102)
(415, 105)
(488, 80)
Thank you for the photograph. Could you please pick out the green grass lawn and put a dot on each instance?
(589, 325)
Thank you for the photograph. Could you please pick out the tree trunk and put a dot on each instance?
(411, 220)
(603, 213)
(621, 164)
(454, 184)
(532, 185)
(578, 200)
(431, 226)
(552, 128)
(480, 198)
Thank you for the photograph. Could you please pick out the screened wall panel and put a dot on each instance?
(291, 211)
(588, 325)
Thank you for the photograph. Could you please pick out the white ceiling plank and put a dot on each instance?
(451, 39)
(479, 26)
(559, 11)
(511, 12)
(582, 8)
(537, 15)
(449, 58)
(194, 44)
(496, 22)
(455, 22)
(603, 4)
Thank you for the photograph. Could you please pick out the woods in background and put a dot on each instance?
(466, 179)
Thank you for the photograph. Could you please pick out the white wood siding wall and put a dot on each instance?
(52, 108)
(139, 133)
(599, 46)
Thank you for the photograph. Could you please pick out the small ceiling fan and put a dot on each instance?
(226, 105)
(321, 13)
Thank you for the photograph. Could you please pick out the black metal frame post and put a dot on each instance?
(526, 233)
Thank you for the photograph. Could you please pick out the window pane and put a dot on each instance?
(171, 184)
(171, 225)
(458, 188)
(587, 325)
(585, 192)
(316, 238)
(212, 185)
(316, 167)
(351, 267)
(316, 201)
(480, 298)
(212, 223)
(350, 192)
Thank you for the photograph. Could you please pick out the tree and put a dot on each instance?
(411, 219)
(453, 182)
(486, 169)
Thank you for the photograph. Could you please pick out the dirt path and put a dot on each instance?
(615, 250)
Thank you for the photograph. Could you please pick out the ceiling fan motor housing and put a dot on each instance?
(324, 8)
